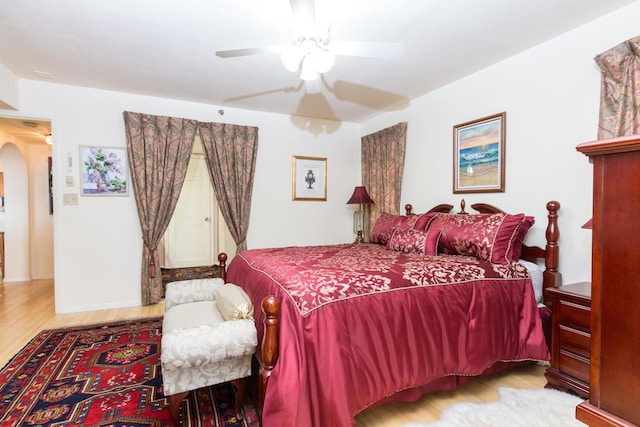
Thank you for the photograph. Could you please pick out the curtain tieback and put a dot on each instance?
(152, 262)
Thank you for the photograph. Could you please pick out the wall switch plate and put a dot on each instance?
(69, 199)
(69, 180)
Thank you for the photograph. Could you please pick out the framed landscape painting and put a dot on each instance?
(479, 155)
(103, 171)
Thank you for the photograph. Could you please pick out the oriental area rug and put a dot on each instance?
(104, 375)
(514, 408)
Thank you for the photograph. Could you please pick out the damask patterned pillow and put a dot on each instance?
(386, 222)
(414, 240)
(489, 237)
(424, 220)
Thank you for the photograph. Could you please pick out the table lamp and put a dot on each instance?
(359, 197)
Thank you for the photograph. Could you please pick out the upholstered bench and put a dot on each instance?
(208, 337)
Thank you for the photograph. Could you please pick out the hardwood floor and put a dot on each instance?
(428, 408)
(28, 307)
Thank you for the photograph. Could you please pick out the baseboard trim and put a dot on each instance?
(96, 307)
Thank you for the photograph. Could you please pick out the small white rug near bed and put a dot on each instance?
(514, 408)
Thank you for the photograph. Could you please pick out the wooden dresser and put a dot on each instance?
(615, 293)
(570, 338)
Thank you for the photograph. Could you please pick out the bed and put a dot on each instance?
(348, 327)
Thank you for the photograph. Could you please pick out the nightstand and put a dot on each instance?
(570, 338)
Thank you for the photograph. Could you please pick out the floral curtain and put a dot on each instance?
(620, 90)
(159, 149)
(231, 152)
(382, 167)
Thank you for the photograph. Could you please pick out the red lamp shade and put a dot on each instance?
(360, 197)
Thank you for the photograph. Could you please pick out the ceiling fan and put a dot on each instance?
(312, 51)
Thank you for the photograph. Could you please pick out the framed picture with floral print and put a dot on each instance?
(104, 171)
(309, 178)
(479, 155)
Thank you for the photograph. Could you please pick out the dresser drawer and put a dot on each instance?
(570, 338)
(574, 365)
(574, 315)
(575, 341)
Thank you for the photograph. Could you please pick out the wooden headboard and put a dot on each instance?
(551, 277)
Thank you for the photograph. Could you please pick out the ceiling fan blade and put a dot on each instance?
(303, 10)
(367, 96)
(288, 89)
(249, 51)
(368, 49)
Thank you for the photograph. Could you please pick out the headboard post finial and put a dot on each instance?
(408, 208)
(222, 260)
(462, 205)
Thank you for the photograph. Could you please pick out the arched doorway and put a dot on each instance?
(25, 160)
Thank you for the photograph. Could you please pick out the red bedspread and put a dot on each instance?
(361, 325)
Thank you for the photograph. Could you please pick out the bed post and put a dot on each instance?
(270, 341)
(551, 277)
(270, 346)
(222, 260)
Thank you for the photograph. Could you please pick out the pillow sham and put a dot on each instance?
(489, 237)
(386, 222)
(414, 240)
(521, 232)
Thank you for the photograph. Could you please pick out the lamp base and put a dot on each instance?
(359, 237)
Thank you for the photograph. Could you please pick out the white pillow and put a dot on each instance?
(233, 302)
(535, 271)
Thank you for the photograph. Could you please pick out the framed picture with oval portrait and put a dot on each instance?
(309, 178)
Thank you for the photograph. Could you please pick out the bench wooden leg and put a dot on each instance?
(174, 406)
(241, 395)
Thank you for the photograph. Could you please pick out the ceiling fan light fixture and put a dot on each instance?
(309, 69)
(292, 56)
(312, 86)
(313, 31)
(323, 58)
(309, 51)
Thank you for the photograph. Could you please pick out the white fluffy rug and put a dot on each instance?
(514, 408)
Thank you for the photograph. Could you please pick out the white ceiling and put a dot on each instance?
(27, 130)
(167, 48)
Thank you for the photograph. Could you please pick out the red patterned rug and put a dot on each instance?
(104, 375)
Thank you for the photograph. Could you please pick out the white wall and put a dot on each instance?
(98, 242)
(9, 93)
(551, 96)
(40, 221)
